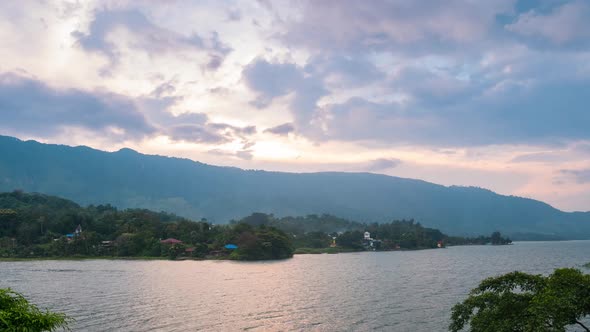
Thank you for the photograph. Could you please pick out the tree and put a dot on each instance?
(350, 240)
(260, 243)
(523, 302)
(17, 314)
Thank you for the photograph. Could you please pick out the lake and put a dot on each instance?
(388, 291)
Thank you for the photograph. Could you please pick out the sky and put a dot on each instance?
(491, 94)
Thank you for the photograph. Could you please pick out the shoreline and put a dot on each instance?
(299, 251)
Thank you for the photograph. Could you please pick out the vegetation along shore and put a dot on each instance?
(37, 226)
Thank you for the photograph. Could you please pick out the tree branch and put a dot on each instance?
(582, 325)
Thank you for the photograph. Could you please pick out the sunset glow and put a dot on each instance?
(489, 94)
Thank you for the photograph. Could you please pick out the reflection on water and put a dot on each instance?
(390, 291)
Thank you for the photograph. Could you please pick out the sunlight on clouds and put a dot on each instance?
(272, 150)
(449, 94)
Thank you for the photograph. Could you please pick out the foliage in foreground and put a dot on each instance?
(523, 302)
(17, 314)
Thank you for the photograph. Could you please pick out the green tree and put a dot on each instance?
(17, 314)
(350, 240)
(260, 243)
(523, 302)
(176, 250)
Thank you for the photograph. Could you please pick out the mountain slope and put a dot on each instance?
(129, 179)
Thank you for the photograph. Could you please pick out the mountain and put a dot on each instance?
(127, 178)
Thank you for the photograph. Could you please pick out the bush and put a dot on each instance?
(519, 301)
(17, 314)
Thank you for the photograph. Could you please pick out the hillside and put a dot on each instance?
(129, 179)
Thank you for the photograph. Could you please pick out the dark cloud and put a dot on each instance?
(163, 89)
(545, 113)
(441, 107)
(234, 15)
(271, 80)
(580, 176)
(393, 25)
(441, 88)
(215, 61)
(564, 24)
(239, 131)
(352, 70)
(195, 134)
(196, 128)
(422, 27)
(30, 106)
(383, 164)
(284, 129)
(464, 73)
(148, 37)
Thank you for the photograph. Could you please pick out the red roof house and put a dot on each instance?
(170, 241)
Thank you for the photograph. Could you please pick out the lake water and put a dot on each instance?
(388, 291)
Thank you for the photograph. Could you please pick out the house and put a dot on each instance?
(106, 247)
(369, 243)
(77, 232)
(106, 244)
(170, 241)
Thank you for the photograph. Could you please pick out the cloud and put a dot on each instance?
(541, 113)
(568, 24)
(583, 148)
(543, 157)
(348, 71)
(30, 106)
(393, 25)
(196, 128)
(358, 119)
(234, 14)
(383, 164)
(163, 89)
(436, 88)
(580, 176)
(146, 36)
(281, 130)
(241, 154)
(234, 130)
(271, 80)
(194, 134)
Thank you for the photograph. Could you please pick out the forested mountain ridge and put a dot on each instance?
(126, 178)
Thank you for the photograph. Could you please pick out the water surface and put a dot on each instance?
(389, 291)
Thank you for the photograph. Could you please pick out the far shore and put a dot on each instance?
(299, 251)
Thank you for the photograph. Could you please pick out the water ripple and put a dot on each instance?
(388, 291)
